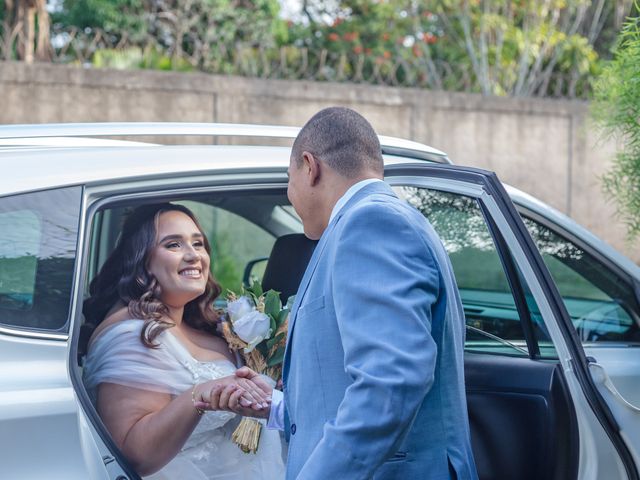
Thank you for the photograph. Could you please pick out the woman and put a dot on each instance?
(154, 356)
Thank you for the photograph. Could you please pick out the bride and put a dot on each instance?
(154, 356)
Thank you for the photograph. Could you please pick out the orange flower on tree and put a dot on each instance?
(429, 38)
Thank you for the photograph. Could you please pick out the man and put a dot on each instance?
(373, 370)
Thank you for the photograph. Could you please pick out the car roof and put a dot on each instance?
(55, 134)
(45, 156)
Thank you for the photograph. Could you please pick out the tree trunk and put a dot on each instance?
(43, 47)
(31, 19)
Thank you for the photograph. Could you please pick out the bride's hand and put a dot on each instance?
(230, 399)
(251, 394)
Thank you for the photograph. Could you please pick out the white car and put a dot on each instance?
(553, 314)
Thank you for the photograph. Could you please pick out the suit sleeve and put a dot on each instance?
(385, 284)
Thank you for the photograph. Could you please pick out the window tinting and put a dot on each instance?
(601, 303)
(493, 322)
(37, 257)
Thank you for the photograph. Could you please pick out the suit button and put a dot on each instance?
(293, 429)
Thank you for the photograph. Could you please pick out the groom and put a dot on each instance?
(373, 370)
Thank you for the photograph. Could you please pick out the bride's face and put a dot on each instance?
(179, 260)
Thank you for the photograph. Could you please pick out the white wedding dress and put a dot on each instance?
(118, 356)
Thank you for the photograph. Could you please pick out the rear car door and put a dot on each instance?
(43, 432)
(534, 409)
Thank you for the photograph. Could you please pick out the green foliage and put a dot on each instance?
(134, 57)
(617, 111)
(496, 47)
(224, 266)
(116, 16)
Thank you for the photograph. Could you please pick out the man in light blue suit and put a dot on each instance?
(373, 371)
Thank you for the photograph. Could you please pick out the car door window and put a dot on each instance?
(601, 303)
(37, 258)
(494, 323)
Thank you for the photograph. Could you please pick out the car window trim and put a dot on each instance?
(509, 267)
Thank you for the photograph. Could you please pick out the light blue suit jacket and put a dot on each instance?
(373, 372)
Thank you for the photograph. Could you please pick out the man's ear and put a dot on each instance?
(311, 167)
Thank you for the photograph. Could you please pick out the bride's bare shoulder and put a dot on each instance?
(113, 317)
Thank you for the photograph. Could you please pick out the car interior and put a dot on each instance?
(522, 419)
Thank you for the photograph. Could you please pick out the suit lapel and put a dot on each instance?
(373, 188)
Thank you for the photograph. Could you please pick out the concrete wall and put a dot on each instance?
(544, 147)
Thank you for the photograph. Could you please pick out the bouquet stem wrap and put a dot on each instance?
(247, 435)
(256, 327)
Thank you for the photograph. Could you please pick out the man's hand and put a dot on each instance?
(230, 397)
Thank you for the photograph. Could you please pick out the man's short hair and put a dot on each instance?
(341, 138)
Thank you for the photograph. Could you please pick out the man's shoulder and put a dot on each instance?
(385, 205)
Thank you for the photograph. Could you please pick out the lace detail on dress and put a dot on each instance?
(202, 372)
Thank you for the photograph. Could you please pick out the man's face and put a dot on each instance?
(295, 187)
(300, 195)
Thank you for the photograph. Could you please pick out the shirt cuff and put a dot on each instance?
(276, 415)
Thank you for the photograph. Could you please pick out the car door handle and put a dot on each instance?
(600, 376)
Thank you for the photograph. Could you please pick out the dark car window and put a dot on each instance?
(601, 303)
(493, 321)
(37, 257)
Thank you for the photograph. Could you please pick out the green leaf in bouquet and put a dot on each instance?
(282, 316)
(272, 303)
(277, 358)
(274, 340)
(263, 348)
(290, 302)
(256, 289)
(272, 325)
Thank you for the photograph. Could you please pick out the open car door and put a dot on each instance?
(534, 408)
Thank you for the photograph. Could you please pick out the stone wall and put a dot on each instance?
(544, 147)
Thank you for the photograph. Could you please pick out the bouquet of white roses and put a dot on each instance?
(256, 327)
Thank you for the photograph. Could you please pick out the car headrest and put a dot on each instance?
(287, 263)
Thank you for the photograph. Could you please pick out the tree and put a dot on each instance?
(26, 29)
(124, 17)
(503, 47)
(617, 111)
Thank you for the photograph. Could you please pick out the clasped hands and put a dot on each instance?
(245, 393)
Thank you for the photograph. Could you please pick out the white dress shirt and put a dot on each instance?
(276, 415)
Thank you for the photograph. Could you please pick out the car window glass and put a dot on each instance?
(37, 257)
(602, 305)
(493, 322)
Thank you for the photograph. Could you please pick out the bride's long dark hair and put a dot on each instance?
(124, 277)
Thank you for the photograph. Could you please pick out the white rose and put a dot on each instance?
(239, 308)
(253, 328)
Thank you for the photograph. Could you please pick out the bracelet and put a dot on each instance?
(200, 411)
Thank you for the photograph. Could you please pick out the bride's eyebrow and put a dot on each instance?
(176, 236)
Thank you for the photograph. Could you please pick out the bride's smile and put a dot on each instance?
(179, 261)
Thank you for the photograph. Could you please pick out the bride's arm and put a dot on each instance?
(150, 428)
